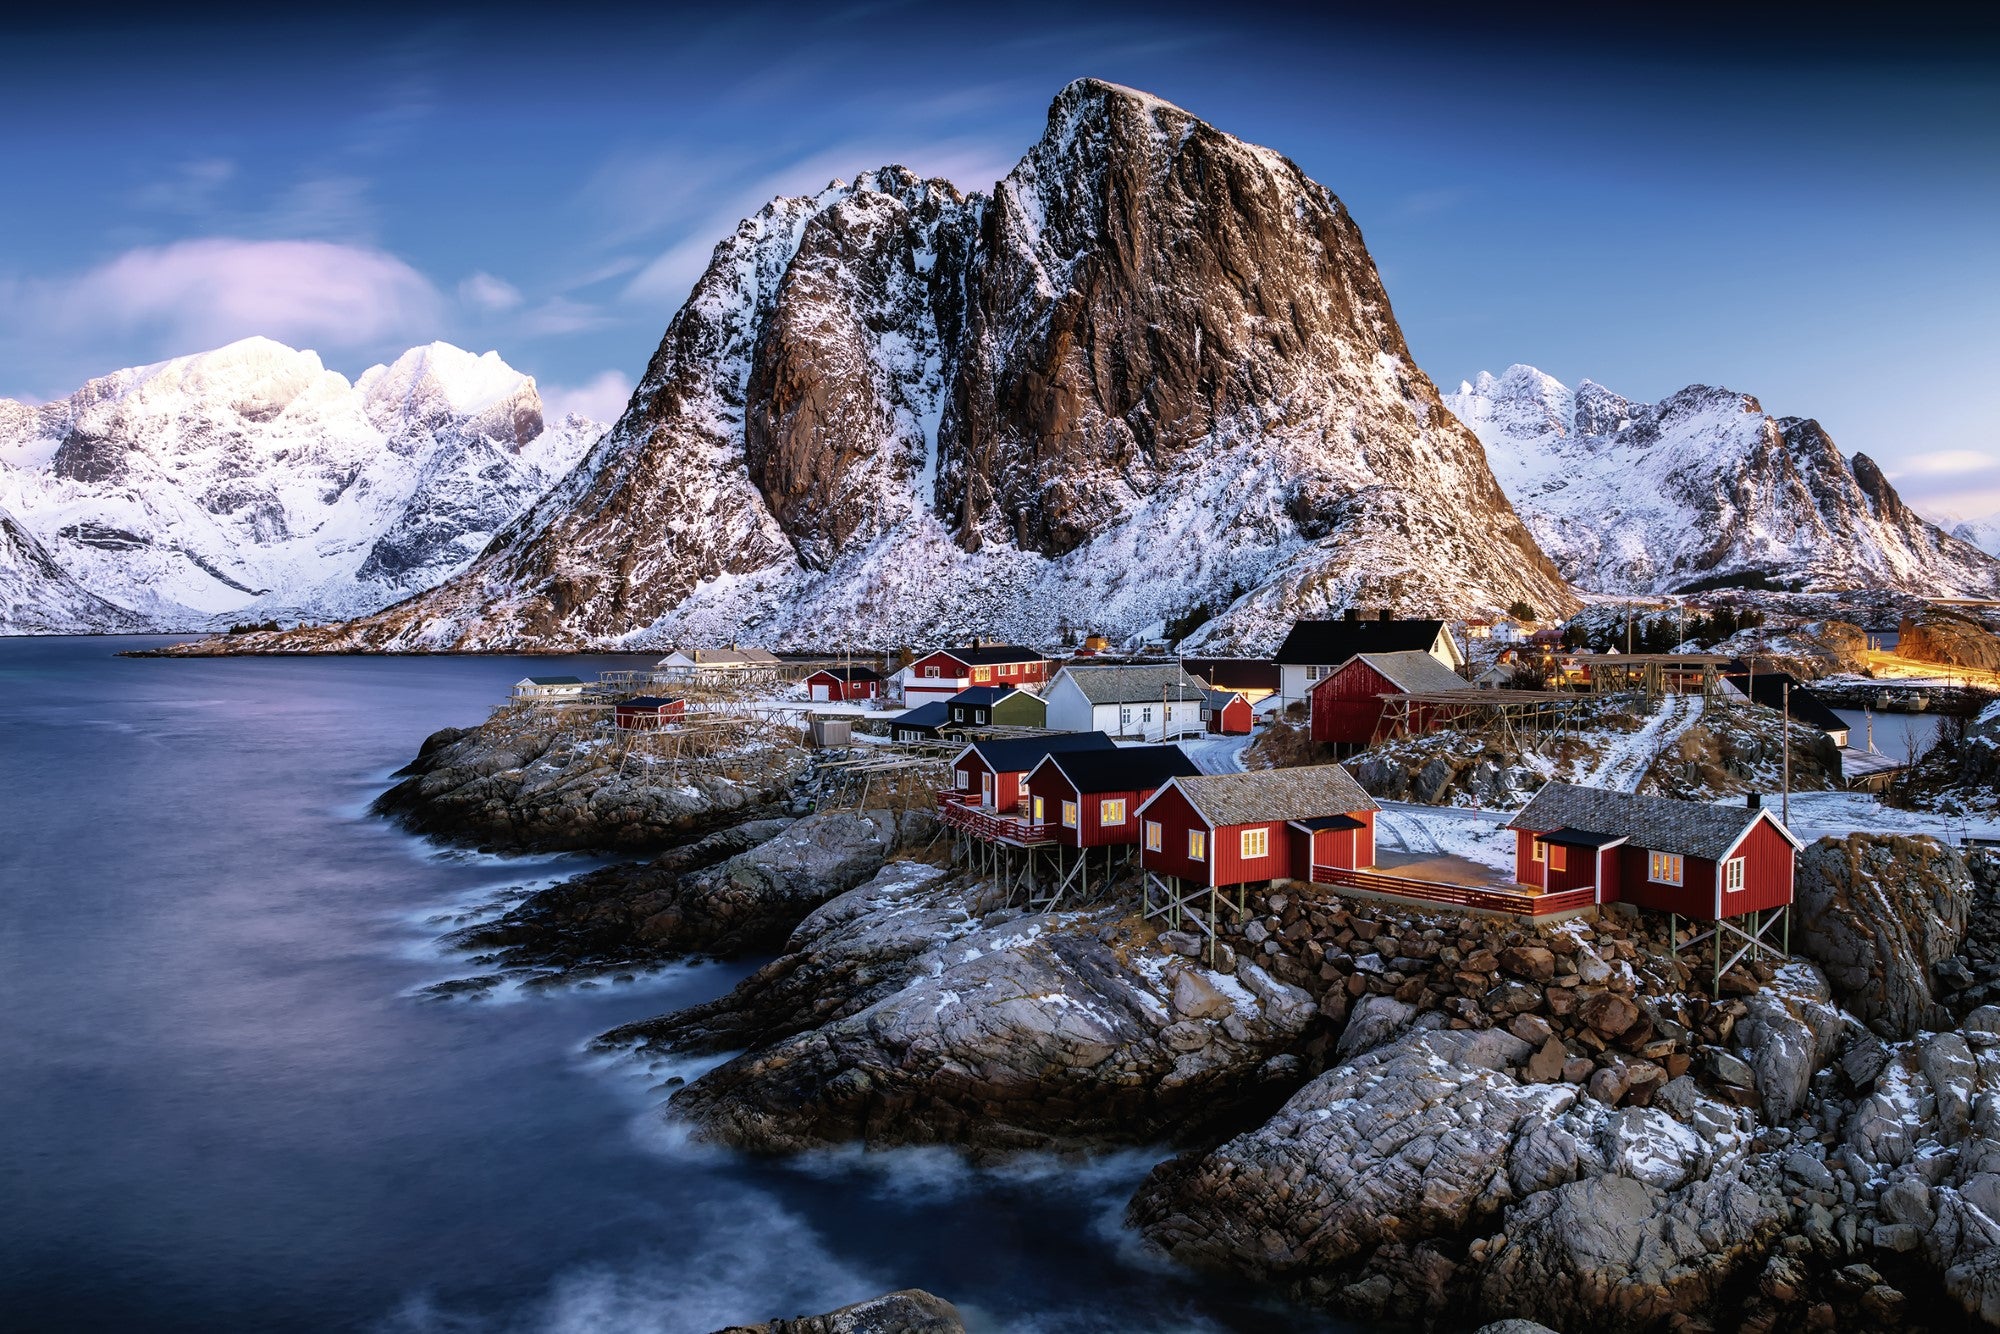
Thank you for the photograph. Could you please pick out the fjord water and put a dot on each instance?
(222, 1106)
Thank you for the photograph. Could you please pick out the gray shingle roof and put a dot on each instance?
(1416, 673)
(1658, 824)
(1302, 793)
(1135, 685)
(1219, 699)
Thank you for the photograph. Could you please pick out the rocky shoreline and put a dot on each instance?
(1420, 1119)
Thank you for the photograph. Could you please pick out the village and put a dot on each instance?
(1184, 781)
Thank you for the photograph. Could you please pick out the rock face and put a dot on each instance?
(911, 1311)
(521, 783)
(891, 410)
(1703, 490)
(1879, 913)
(38, 597)
(1024, 1032)
(1957, 641)
(251, 482)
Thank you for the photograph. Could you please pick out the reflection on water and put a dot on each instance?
(226, 1107)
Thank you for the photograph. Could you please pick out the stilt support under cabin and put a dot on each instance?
(1177, 904)
(1755, 942)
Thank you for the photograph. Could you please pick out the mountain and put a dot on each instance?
(1982, 533)
(1703, 489)
(37, 597)
(251, 482)
(1152, 377)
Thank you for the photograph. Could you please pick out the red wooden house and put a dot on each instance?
(1700, 861)
(1232, 829)
(834, 684)
(1226, 713)
(648, 713)
(1091, 798)
(991, 772)
(944, 672)
(1347, 703)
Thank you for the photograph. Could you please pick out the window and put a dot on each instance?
(1146, 715)
(1314, 673)
(1256, 842)
(1541, 850)
(1124, 718)
(982, 673)
(1732, 874)
(958, 714)
(1152, 835)
(1069, 815)
(1558, 857)
(1111, 812)
(930, 673)
(1664, 867)
(960, 779)
(1038, 810)
(1198, 844)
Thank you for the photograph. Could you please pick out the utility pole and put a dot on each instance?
(1787, 817)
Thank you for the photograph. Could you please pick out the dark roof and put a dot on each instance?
(849, 674)
(1020, 754)
(1302, 793)
(983, 696)
(1217, 700)
(1768, 689)
(647, 702)
(1126, 769)
(1582, 838)
(1321, 823)
(1325, 643)
(1658, 824)
(555, 680)
(1234, 673)
(932, 715)
(988, 654)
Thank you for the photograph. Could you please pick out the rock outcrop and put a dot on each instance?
(892, 410)
(1879, 913)
(911, 1311)
(1954, 640)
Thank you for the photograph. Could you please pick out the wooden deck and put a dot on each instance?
(1522, 902)
(993, 826)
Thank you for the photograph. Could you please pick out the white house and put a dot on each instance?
(548, 689)
(1153, 703)
(716, 665)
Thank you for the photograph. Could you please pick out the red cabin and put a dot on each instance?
(1347, 703)
(1232, 829)
(1091, 798)
(1226, 713)
(991, 772)
(834, 684)
(648, 713)
(944, 672)
(1699, 860)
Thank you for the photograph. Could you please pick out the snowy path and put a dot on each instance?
(1217, 754)
(1411, 831)
(1630, 757)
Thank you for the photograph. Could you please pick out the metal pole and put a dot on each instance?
(1788, 755)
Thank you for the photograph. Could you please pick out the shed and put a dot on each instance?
(1232, 829)
(1256, 679)
(997, 706)
(648, 713)
(1092, 797)
(1226, 713)
(548, 688)
(1769, 690)
(831, 685)
(923, 723)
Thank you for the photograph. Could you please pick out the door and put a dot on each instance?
(986, 789)
(1037, 811)
(822, 693)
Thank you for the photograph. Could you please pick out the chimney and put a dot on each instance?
(1351, 614)
(1753, 801)
(1386, 614)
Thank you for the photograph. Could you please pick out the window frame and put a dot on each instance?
(1558, 857)
(1538, 850)
(1069, 814)
(1105, 805)
(1666, 868)
(930, 674)
(1154, 836)
(1262, 838)
(982, 674)
(1037, 808)
(961, 781)
(1734, 870)
(1197, 845)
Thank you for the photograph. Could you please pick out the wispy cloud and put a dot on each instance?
(1944, 462)
(201, 293)
(484, 292)
(601, 398)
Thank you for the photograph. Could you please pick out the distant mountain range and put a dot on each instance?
(251, 482)
(1703, 489)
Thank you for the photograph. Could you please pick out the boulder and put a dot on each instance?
(1608, 1013)
(1791, 1030)
(911, 1311)
(1879, 913)
(1373, 1021)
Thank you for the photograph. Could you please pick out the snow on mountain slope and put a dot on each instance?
(1153, 374)
(37, 597)
(251, 482)
(1703, 489)
(1982, 533)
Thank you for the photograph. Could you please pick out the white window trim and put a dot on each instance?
(961, 780)
(1069, 815)
(1037, 808)
(1153, 838)
(1733, 875)
(930, 673)
(1540, 848)
(1198, 845)
(1104, 809)
(1666, 868)
(1263, 841)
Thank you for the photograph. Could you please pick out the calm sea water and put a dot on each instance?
(222, 1107)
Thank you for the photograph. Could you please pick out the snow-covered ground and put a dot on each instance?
(1217, 754)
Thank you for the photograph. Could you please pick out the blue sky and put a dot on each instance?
(1810, 215)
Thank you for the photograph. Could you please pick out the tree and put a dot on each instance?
(1523, 610)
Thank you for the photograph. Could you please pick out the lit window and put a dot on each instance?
(1152, 835)
(1038, 810)
(1069, 815)
(1541, 850)
(1198, 844)
(1111, 812)
(1558, 857)
(1664, 868)
(1732, 874)
(1256, 842)
(982, 673)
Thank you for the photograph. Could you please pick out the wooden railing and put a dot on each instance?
(1458, 896)
(994, 826)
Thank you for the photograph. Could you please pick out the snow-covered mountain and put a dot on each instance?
(37, 597)
(251, 482)
(1703, 490)
(1982, 533)
(1152, 375)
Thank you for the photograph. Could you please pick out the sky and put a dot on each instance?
(1645, 197)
